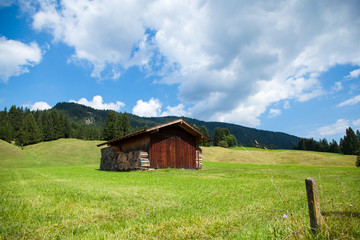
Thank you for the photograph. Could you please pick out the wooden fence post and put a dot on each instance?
(313, 204)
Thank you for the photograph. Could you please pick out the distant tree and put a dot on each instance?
(230, 140)
(334, 147)
(5, 126)
(358, 134)
(218, 136)
(324, 145)
(47, 126)
(111, 126)
(124, 124)
(57, 123)
(16, 116)
(349, 145)
(223, 143)
(29, 132)
(67, 126)
(204, 131)
(357, 164)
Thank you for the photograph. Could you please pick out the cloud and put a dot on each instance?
(231, 61)
(353, 74)
(351, 101)
(97, 103)
(332, 129)
(40, 106)
(16, 57)
(337, 86)
(338, 128)
(178, 110)
(356, 123)
(274, 112)
(152, 108)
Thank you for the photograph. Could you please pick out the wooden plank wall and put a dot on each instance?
(141, 142)
(172, 147)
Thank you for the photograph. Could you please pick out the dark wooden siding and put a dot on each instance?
(141, 142)
(172, 147)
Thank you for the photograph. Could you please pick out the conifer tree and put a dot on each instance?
(350, 144)
(334, 147)
(29, 132)
(204, 130)
(218, 136)
(16, 116)
(5, 126)
(111, 126)
(125, 124)
(48, 126)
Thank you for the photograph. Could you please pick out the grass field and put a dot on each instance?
(54, 190)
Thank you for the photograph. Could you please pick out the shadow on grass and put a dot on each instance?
(341, 214)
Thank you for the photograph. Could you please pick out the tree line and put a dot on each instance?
(25, 127)
(349, 144)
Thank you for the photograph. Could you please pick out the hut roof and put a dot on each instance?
(199, 136)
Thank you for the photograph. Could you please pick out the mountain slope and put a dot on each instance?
(244, 135)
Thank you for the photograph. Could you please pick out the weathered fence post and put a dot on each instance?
(313, 204)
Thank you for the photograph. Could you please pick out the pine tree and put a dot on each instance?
(125, 124)
(204, 130)
(48, 126)
(5, 126)
(67, 127)
(29, 131)
(111, 127)
(16, 116)
(218, 136)
(349, 145)
(334, 147)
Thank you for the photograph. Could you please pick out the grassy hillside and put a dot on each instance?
(62, 152)
(277, 157)
(60, 194)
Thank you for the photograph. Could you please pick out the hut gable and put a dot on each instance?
(169, 145)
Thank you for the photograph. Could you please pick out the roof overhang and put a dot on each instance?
(199, 136)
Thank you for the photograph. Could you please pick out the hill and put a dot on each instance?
(74, 152)
(244, 135)
(62, 152)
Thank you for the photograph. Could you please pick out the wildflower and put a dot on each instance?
(285, 216)
(55, 225)
(147, 213)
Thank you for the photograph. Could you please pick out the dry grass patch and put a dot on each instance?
(277, 157)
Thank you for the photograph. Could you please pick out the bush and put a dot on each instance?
(358, 161)
(223, 144)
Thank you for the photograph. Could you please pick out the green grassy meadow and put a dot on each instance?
(54, 190)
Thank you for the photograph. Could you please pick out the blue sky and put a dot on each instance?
(289, 66)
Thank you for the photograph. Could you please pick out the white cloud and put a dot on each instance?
(40, 106)
(354, 74)
(286, 105)
(274, 112)
(97, 103)
(333, 129)
(178, 110)
(351, 101)
(16, 57)
(337, 86)
(336, 129)
(356, 123)
(152, 108)
(231, 60)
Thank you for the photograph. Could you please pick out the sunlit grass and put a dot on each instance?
(224, 200)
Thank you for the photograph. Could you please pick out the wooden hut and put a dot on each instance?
(170, 145)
